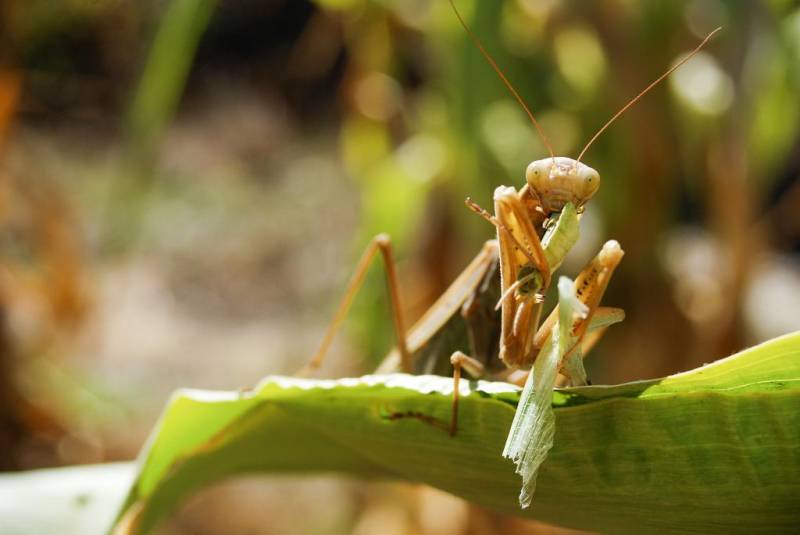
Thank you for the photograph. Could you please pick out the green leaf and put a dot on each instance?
(716, 449)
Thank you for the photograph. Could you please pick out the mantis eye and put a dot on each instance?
(591, 183)
(534, 173)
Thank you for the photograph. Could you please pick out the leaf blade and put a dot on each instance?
(689, 450)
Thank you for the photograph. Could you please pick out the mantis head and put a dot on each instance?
(559, 180)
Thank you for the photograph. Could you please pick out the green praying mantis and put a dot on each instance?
(536, 227)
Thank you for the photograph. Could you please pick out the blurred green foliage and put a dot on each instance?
(424, 123)
(162, 83)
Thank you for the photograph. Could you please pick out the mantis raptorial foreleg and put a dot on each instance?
(590, 285)
(525, 271)
(381, 243)
(526, 266)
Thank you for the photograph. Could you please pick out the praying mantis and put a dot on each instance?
(488, 322)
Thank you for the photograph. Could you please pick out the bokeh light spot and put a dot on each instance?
(702, 85)
(509, 135)
(378, 96)
(580, 58)
(422, 157)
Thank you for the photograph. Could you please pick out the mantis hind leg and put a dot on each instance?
(380, 243)
(429, 341)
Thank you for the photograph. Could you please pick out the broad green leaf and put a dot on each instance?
(716, 449)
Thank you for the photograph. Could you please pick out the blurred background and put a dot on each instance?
(185, 186)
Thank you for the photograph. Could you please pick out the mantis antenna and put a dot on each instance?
(646, 89)
(502, 76)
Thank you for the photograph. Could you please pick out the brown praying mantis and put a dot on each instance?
(489, 320)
